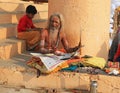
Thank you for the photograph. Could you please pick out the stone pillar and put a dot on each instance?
(91, 17)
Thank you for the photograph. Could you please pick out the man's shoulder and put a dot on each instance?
(45, 31)
(62, 33)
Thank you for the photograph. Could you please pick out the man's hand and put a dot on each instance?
(58, 53)
(50, 50)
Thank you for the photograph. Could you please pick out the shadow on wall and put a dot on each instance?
(79, 85)
(38, 1)
(104, 49)
(20, 11)
(14, 13)
(12, 49)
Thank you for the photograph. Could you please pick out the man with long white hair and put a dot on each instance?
(53, 34)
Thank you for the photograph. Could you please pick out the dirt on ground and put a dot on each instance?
(11, 89)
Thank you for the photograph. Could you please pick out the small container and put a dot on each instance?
(93, 87)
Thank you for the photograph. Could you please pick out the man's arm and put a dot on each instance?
(43, 41)
(66, 45)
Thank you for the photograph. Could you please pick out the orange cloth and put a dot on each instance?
(32, 38)
(62, 50)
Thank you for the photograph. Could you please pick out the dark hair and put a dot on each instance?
(31, 9)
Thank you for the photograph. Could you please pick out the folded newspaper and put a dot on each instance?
(51, 61)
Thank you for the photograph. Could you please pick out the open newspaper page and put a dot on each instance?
(51, 61)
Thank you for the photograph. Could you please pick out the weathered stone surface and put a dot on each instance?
(16, 73)
(9, 89)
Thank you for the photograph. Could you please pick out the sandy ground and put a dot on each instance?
(10, 89)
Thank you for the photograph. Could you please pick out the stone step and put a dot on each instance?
(12, 6)
(10, 89)
(14, 72)
(14, 17)
(10, 30)
(15, 10)
(7, 30)
(10, 47)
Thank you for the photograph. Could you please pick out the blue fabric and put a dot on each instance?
(70, 68)
(118, 59)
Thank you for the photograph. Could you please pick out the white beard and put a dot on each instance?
(54, 28)
(53, 36)
(53, 33)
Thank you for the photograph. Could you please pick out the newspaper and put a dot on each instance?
(51, 61)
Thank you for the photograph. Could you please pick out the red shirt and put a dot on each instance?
(24, 23)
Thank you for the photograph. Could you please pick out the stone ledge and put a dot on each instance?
(10, 47)
(10, 89)
(15, 72)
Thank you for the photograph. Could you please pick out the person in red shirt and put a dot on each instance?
(26, 29)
